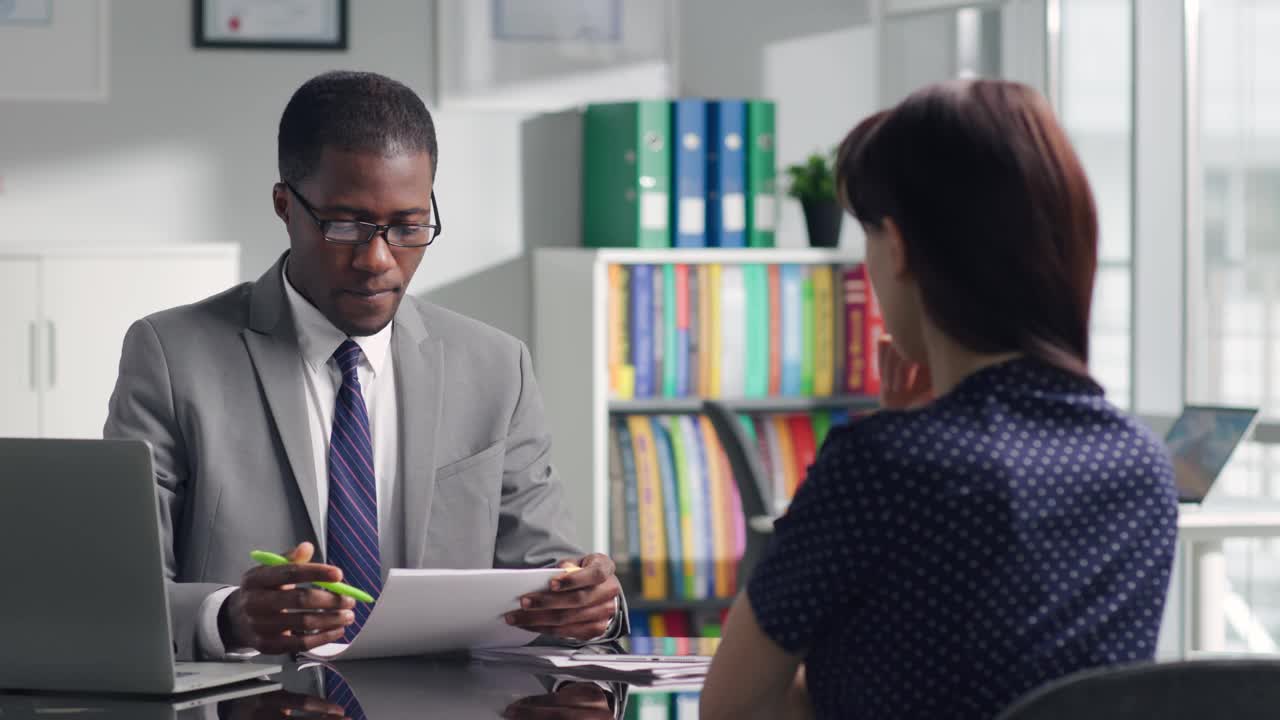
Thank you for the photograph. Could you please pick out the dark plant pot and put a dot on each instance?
(823, 217)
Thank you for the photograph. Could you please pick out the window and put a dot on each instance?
(1096, 108)
(1233, 308)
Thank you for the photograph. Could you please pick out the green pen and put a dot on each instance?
(270, 559)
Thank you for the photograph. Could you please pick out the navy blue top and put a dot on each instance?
(941, 562)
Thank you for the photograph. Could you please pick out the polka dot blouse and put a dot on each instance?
(941, 562)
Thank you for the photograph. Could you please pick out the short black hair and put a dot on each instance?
(354, 111)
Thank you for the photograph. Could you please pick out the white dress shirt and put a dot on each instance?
(318, 339)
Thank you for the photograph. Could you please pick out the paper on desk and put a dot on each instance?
(433, 611)
(571, 661)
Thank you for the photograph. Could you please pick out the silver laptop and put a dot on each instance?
(1201, 442)
(84, 605)
(191, 706)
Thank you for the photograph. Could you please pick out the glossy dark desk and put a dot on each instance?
(416, 688)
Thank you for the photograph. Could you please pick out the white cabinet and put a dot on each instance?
(19, 366)
(66, 313)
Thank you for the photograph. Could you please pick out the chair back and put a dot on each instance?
(1240, 689)
(748, 475)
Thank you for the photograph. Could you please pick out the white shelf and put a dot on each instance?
(696, 256)
(570, 346)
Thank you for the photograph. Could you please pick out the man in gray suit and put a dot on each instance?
(322, 410)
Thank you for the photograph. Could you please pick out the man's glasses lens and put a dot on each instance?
(356, 233)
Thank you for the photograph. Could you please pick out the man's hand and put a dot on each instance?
(270, 614)
(279, 705)
(576, 701)
(579, 606)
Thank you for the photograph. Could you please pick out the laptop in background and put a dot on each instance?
(1201, 442)
(85, 606)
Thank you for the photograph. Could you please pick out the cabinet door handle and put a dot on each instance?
(53, 354)
(31, 354)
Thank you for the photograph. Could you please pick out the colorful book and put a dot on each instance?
(677, 624)
(659, 331)
(618, 548)
(626, 165)
(721, 539)
(726, 173)
(682, 340)
(715, 332)
(630, 498)
(689, 172)
(653, 539)
(775, 329)
(694, 366)
(839, 351)
(786, 456)
(762, 172)
(649, 706)
(670, 507)
(792, 280)
(824, 378)
(821, 426)
(685, 705)
(733, 331)
(739, 524)
(756, 279)
(863, 329)
(618, 311)
(685, 493)
(642, 329)
(657, 625)
(673, 354)
(706, 330)
(802, 441)
(700, 492)
(807, 343)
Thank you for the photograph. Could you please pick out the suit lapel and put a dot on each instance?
(419, 396)
(272, 342)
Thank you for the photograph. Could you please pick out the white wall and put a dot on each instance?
(183, 150)
(815, 116)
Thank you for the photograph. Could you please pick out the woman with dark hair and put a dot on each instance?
(997, 524)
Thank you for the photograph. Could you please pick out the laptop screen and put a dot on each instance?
(1200, 442)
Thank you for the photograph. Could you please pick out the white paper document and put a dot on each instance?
(433, 611)
(603, 666)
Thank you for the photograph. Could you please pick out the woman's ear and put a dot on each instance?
(896, 246)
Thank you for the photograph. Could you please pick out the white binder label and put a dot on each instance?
(653, 210)
(765, 214)
(693, 216)
(733, 213)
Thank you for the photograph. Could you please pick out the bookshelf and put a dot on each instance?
(570, 287)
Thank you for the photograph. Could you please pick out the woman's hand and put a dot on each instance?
(903, 384)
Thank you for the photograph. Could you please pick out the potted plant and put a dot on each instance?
(813, 183)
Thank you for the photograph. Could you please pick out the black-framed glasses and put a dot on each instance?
(354, 232)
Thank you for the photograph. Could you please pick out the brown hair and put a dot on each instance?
(995, 213)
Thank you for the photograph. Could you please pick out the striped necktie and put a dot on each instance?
(352, 532)
(338, 692)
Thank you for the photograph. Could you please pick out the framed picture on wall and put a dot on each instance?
(271, 24)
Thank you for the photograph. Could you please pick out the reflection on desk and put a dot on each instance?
(376, 690)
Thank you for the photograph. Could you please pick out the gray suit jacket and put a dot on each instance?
(216, 389)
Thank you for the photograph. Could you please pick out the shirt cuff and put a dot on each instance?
(208, 639)
(612, 630)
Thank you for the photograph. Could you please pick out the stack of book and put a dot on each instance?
(741, 330)
(678, 529)
(679, 173)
